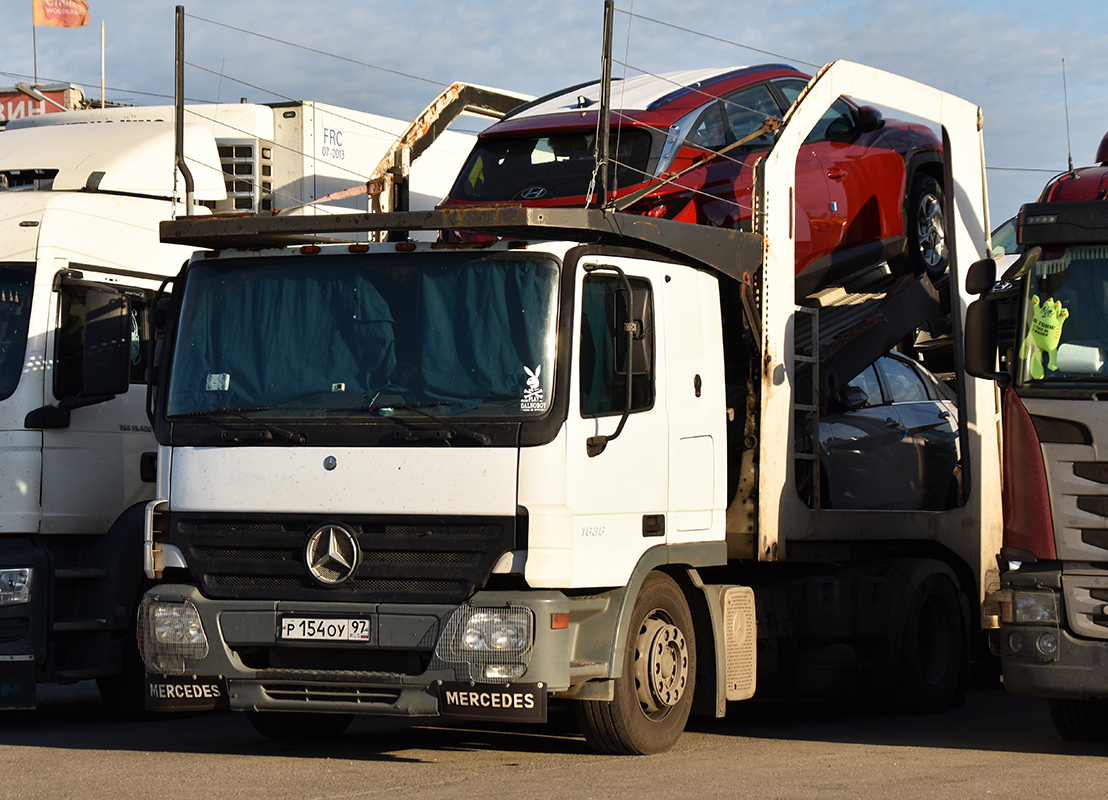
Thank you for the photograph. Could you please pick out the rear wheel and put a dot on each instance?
(653, 695)
(298, 726)
(1080, 720)
(929, 664)
(925, 229)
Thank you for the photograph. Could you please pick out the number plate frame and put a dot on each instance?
(296, 628)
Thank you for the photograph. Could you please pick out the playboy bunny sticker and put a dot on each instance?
(533, 395)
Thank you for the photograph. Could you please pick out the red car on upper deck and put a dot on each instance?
(684, 145)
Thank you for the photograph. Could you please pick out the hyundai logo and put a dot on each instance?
(533, 193)
(332, 554)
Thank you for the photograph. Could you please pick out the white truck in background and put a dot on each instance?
(467, 479)
(81, 197)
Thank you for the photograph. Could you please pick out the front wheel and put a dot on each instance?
(654, 693)
(1080, 720)
(299, 726)
(925, 229)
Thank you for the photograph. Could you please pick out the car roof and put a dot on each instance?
(639, 93)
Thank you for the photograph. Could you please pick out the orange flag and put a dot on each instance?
(61, 13)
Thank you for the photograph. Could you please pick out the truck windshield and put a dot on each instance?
(1064, 335)
(15, 312)
(405, 334)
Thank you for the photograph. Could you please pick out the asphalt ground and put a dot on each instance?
(996, 745)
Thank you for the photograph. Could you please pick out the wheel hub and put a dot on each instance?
(661, 665)
(932, 230)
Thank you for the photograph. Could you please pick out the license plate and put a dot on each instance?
(185, 693)
(515, 702)
(324, 629)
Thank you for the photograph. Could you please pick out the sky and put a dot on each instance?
(394, 56)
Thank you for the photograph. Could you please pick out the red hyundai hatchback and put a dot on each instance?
(684, 145)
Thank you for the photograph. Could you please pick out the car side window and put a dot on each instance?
(836, 123)
(790, 88)
(747, 110)
(905, 384)
(604, 314)
(710, 130)
(869, 384)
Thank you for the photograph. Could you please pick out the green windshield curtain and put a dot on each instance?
(485, 330)
(272, 338)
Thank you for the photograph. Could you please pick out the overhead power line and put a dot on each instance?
(717, 39)
(318, 52)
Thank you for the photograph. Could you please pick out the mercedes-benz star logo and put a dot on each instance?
(532, 193)
(332, 554)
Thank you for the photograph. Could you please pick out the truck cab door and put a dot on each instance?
(618, 496)
(90, 464)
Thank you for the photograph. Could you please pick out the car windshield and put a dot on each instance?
(406, 334)
(558, 166)
(1064, 335)
(16, 283)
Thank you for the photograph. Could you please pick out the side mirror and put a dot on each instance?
(105, 359)
(981, 276)
(871, 118)
(854, 397)
(1028, 258)
(107, 347)
(980, 339)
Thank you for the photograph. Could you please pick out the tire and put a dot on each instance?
(124, 694)
(932, 655)
(1080, 720)
(299, 726)
(926, 250)
(654, 693)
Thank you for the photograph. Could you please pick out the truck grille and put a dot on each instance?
(442, 560)
(1095, 504)
(331, 693)
(13, 629)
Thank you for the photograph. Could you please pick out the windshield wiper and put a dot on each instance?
(266, 434)
(449, 430)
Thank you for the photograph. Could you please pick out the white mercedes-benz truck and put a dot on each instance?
(577, 464)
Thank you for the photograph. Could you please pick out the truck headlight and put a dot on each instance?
(15, 586)
(168, 633)
(1036, 607)
(495, 643)
(496, 630)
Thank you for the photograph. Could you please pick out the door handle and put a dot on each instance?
(891, 423)
(944, 414)
(836, 174)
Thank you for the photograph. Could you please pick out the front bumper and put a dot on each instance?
(23, 627)
(1079, 673)
(396, 673)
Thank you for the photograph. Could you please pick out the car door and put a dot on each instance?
(861, 451)
(930, 440)
(866, 181)
(820, 201)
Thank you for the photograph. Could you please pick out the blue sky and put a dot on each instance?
(1004, 56)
